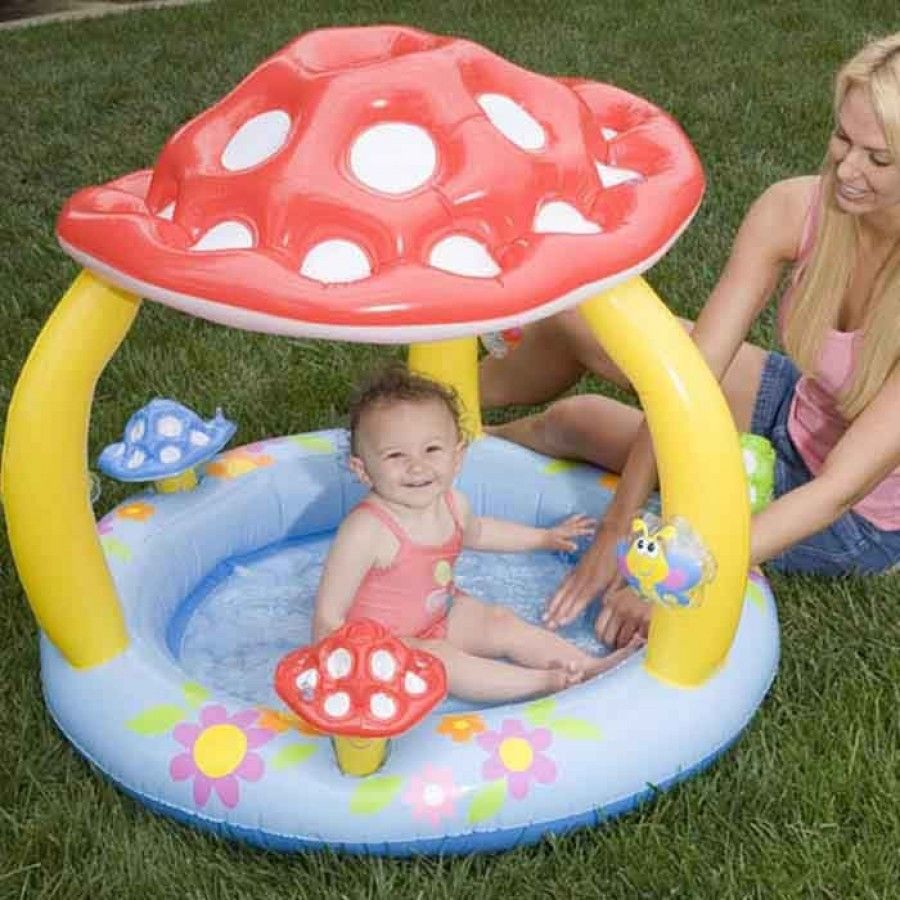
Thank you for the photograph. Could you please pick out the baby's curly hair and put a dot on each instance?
(396, 384)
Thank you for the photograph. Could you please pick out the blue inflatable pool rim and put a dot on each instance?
(459, 782)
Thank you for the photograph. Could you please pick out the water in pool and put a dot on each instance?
(231, 633)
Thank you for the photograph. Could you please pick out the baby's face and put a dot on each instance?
(409, 453)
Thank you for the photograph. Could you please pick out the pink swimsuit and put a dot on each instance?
(412, 595)
(814, 423)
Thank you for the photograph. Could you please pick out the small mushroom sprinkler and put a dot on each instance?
(165, 442)
(363, 686)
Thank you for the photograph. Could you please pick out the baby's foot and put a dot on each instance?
(561, 675)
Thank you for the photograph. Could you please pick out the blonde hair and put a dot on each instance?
(816, 303)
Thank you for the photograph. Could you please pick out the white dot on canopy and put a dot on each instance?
(512, 121)
(609, 133)
(610, 176)
(337, 705)
(558, 217)
(169, 426)
(307, 680)
(383, 665)
(169, 454)
(462, 255)
(256, 140)
(393, 157)
(382, 706)
(336, 262)
(198, 438)
(339, 663)
(226, 236)
(413, 684)
(749, 462)
(136, 458)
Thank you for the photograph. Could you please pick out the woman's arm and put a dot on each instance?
(768, 238)
(866, 454)
(351, 555)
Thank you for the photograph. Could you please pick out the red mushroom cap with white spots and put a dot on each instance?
(388, 185)
(362, 681)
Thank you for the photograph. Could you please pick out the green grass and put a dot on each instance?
(804, 806)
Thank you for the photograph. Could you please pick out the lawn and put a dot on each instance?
(806, 804)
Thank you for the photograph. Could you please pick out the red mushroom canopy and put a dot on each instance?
(384, 184)
(361, 681)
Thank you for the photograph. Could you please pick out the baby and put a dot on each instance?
(392, 558)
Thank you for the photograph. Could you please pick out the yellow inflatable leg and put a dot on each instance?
(44, 480)
(701, 473)
(454, 363)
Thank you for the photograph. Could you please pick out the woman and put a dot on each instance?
(830, 407)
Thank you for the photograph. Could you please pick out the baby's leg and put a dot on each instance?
(491, 681)
(495, 631)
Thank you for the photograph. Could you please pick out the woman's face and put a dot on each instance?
(867, 174)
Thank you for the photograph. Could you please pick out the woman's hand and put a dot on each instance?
(623, 616)
(563, 535)
(595, 571)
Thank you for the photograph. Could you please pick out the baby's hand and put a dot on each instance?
(562, 536)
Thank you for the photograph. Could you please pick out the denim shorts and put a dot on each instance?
(851, 544)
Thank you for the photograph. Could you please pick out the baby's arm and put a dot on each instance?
(351, 555)
(484, 533)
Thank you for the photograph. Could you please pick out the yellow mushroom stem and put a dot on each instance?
(701, 471)
(359, 756)
(184, 481)
(44, 481)
(454, 363)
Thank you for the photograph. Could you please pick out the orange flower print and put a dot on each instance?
(461, 728)
(280, 722)
(138, 511)
(238, 462)
(609, 480)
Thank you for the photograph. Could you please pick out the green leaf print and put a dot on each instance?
(755, 594)
(194, 694)
(539, 712)
(556, 466)
(114, 547)
(312, 443)
(487, 801)
(157, 719)
(575, 729)
(292, 755)
(374, 794)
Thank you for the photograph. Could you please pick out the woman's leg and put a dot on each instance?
(601, 430)
(552, 355)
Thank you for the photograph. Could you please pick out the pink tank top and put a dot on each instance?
(814, 423)
(412, 595)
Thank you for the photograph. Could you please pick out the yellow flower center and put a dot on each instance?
(219, 750)
(516, 754)
(460, 724)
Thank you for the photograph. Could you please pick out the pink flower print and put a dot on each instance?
(431, 794)
(105, 525)
(219, 752)
(515, 755)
